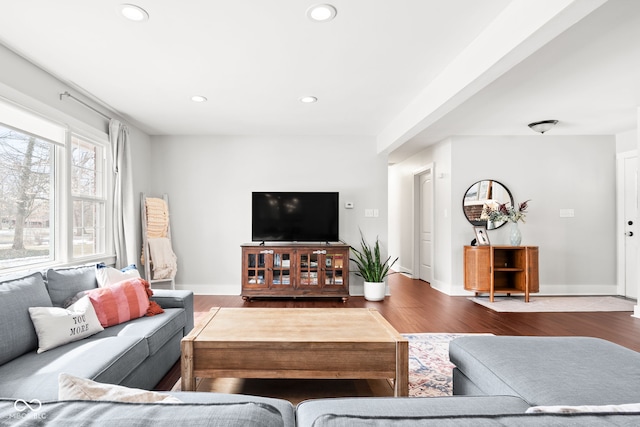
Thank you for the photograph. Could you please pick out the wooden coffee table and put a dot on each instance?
(334, 343)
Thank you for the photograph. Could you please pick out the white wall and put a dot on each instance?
(29, 86)
(577, 255)
(401, 211)
(627, 141)
(140, 146)
(209, 180)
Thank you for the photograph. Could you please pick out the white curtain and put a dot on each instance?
(123, 209)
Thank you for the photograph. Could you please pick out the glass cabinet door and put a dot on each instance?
(281, 271)
(334, 269)
(309, 262)
(256, 269)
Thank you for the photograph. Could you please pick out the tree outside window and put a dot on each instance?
(26, 198)
(88, 195)
(53, 192)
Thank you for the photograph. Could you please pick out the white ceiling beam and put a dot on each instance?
(521, 29)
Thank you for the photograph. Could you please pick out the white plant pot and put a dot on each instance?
(374, 291)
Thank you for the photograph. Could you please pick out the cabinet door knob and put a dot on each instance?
(630, 233)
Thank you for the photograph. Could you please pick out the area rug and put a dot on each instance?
(556, 304)
(430, 370)
(430, 374)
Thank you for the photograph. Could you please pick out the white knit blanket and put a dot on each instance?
(163, 259)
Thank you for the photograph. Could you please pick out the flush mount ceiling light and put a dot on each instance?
(543, 126)
(198, 98)
(321, 12)
(134, 13)
(308, 99)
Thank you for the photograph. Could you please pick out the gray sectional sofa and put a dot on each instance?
(197, 409)
(496, 379)
(137, 353)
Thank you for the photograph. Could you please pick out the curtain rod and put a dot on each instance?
(67, 94)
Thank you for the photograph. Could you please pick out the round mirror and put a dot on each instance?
(483, 193)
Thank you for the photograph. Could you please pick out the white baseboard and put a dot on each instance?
(545, 290)
(445, 288)
(357, 289)
(232, 290)
(405, 270)
(211, 289)
(560, 289)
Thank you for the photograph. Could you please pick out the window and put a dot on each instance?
(53, 193)
(27, 198)
(88, 196)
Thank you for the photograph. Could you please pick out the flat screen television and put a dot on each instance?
(294, 217)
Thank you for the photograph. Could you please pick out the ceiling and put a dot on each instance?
(408, 72)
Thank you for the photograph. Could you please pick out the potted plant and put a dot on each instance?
(372, 269)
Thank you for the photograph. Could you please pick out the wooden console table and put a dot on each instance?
(501, 270)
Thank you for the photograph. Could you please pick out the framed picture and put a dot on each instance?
(484, 192)
(481, 236)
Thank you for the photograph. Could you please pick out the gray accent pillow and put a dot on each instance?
(65, 283)
(17, 333)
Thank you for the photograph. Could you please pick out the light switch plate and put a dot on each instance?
(567, 213)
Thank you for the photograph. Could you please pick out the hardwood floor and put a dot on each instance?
(415, 307)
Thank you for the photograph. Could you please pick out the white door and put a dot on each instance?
(426, 224)
(631, 229)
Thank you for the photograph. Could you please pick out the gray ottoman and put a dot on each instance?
(546, 370)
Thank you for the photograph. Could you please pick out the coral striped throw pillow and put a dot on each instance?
(120, 302)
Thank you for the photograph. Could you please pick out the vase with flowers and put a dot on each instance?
(505, 212)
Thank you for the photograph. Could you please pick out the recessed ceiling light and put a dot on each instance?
(308, 99)
(198, 98)
(321, 12)
(134, 13)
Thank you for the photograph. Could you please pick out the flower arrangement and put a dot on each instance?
(503, 212)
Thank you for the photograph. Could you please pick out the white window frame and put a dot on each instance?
(107, 197)
(62, 207)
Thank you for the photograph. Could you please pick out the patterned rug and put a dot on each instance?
(430, 374)
(430, 370)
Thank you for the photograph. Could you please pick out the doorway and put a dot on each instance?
(423, 223)
(627, 170)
